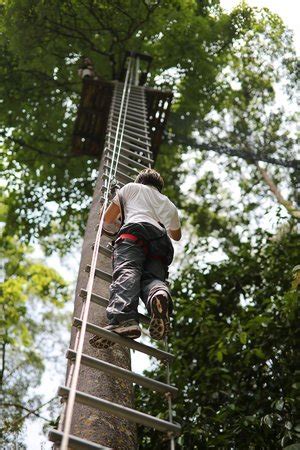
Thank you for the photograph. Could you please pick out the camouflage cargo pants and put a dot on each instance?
(136, 274)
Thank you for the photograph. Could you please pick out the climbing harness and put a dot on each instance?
(142, 243)
(124, 142)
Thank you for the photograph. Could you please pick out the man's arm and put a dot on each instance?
(111, 214)
(175, 234)
(174, 230)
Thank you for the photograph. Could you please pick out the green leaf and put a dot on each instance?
(268, 421)
(259, 353)
(219, 356)
(279, 405)
(243, 337)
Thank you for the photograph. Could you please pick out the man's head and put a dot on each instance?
(151, 178)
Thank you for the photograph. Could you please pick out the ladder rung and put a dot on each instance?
(133, 99)
(104, 250)
(75, 442)
(94, 298)
(104, 302)
(126, 168)
(137, 148)
(132, 155)
(130, 106)
(137, 125)
(130, 111)
(143, 141)
(123, 373)
(100, 274)
(130, 127)
(146, 156)
(132, 95)
(133, 102)
(133, 90)
(122, 411)
(140, 118)
(132, 158)
(132, 145)
(120, 84)
(129, 133)
(131, 343)
(121, 175)
(136, 165)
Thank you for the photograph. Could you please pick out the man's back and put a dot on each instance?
(144, 203)
(142, 253)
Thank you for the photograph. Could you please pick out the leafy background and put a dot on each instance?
(229, 163)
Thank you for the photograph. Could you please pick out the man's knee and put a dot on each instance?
(127, 274)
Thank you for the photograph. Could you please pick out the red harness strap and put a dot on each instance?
(131, 237)
(134, 238)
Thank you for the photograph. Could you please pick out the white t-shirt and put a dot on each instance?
(144, 203)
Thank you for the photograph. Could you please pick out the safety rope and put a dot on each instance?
(169, 396)
(115, 153)
(80, 334)
(114, 169)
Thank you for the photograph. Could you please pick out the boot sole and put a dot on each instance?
(159, 324)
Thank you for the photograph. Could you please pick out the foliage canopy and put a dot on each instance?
(32, 300)
(235, 336)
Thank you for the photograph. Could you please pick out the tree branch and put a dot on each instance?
(14, 369)
(29, 411)
(22, 143)
(80, 35)
(274, 189)
(240, 153)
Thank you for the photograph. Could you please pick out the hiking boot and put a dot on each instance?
(159, 323)
(128, 328)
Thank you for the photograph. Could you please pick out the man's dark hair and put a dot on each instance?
(150, 177)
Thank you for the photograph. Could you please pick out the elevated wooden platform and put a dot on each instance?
(91, 122)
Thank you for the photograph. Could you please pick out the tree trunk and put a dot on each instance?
(95, 425)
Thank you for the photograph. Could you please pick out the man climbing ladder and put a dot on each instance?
(142, 253)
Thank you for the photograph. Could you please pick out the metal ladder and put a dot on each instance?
(127, 151)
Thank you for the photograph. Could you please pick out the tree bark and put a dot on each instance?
(94, 425)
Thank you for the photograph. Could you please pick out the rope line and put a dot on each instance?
(169, 397)
(113, 170)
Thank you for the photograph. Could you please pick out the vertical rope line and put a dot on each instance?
(124, 122)
(119, 120)
(146, 126)
(86, 305)
(172, 440)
